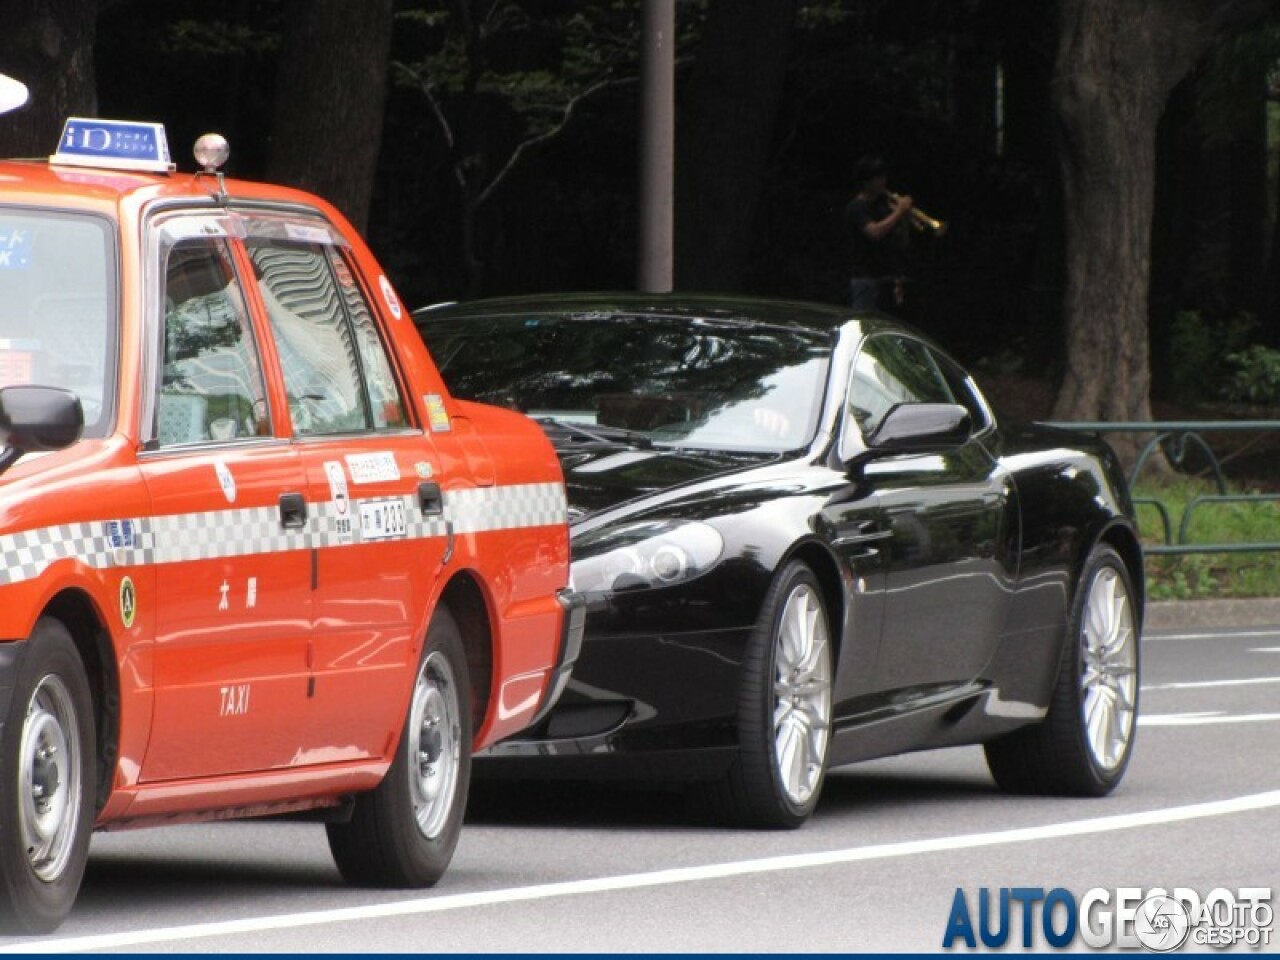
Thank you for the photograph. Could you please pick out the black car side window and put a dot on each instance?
(889, 370)
(966, 393)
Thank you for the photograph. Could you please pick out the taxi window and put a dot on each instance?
(385, 406)
(211, 386)
(58, 306)
(336, 371)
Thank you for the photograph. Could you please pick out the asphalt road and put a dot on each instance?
(876, 869)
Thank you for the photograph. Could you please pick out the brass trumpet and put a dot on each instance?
(921, 220)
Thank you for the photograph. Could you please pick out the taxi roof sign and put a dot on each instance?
(115, 144)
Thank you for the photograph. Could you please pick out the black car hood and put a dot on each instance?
(602, 476)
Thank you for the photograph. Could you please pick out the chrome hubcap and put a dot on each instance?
(49, 764)
(435, 746)
(802, 695)
(1110, 678)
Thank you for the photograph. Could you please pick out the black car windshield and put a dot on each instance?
(57, 306)
(717, 385)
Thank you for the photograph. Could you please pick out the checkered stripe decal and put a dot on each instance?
(26, 555)
(502, 508)
(239, 532)
(223, 533)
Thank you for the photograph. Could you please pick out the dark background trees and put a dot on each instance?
(1106, 170)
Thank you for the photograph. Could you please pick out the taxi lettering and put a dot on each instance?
(235, 700)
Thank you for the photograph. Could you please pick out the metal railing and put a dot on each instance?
(1177, 439)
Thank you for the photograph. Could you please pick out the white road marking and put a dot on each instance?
(1264, 649)
(1202, 684)
(1201, 719)
(635, 881)
(1219, 635)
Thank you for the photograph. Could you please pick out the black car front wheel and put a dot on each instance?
(1083, 745)
(784, 710)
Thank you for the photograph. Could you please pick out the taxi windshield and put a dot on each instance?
(667, 381)
(57, 306)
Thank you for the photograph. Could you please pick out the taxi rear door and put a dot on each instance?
(377, 522)
(228, 525)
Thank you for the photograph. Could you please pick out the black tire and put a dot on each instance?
(784, 711)
(1065, 754)
(403, 834)
(47, 776)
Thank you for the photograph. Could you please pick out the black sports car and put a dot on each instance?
(807, 541)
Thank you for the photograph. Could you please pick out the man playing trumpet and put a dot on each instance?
(879, 222)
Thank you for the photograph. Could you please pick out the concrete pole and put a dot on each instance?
(657, 146)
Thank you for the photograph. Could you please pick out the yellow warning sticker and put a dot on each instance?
(437, 413)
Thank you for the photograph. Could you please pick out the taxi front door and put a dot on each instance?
(228, 535)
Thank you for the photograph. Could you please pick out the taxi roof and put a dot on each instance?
(41, 183)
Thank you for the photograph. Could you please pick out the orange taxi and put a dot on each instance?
(254, 558)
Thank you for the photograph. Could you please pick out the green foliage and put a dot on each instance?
(1237, 78)
(1207, 575)
(501, 76)
(1255, 376)
(1199, 352)
(219, 38)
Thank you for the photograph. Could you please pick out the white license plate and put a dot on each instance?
(382, 519)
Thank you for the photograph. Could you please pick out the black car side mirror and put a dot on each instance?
(37, 418)
(914, 427)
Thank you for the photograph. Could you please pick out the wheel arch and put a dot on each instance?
(1122, 538)
(76, 611)
(819, 559)
(465, 599)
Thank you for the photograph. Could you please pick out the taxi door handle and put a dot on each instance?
(430, 499)
(293, 511)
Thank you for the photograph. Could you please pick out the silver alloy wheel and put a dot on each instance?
(49, 764)
(802, 694)
(436, 746)
(1110, 676)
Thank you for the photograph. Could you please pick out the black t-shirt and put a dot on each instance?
(885, 257)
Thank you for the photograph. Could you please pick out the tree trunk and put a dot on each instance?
(48, 45)
(330, 95)
(724, 136)
(1116, 66)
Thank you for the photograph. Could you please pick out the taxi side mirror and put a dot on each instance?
(37, 418)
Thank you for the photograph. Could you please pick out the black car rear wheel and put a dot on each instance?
(403, 834)
(1083, 745)
(784, 710)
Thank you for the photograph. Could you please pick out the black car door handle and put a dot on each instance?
(863, 531)
(430, 499)
(293, 511)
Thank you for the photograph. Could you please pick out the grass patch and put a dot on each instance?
(1209, 575)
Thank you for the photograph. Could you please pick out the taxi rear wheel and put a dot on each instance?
(46, 783)
(403, 834)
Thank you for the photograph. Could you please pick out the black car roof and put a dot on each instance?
(819, 317)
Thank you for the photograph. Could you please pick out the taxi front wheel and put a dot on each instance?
(403, 833)
(46, 783)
